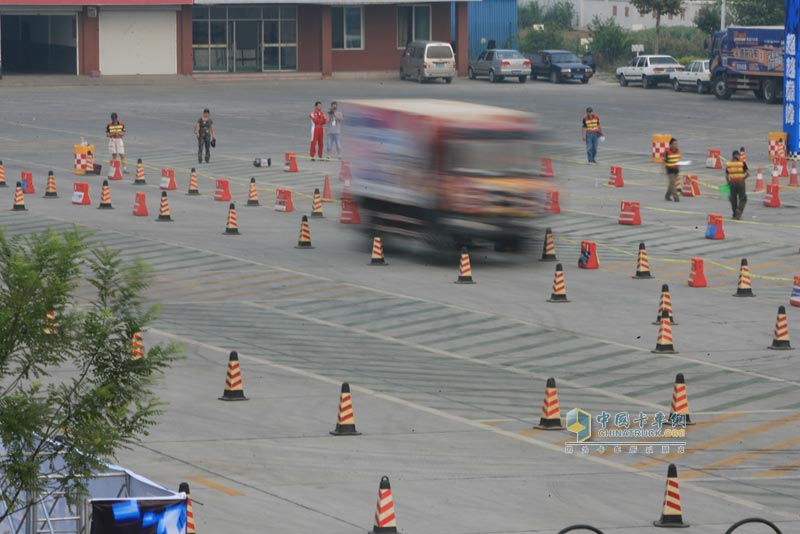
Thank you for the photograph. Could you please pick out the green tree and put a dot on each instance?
(69, 388)
(529, 14)
(560, 14)
(610, 41)
(757, 12)
(660, 8)
(534, 40)
(708, 19)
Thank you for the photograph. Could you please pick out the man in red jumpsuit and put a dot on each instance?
(318, 120)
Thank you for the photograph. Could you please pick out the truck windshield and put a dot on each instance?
(565, 58)
(490, 158)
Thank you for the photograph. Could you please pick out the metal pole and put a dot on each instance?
(722, 16)
(1, 50)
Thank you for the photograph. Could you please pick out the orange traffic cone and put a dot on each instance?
(105, 197)
(349, 214)
(140, 205)
(190, 528)
(671, 515)
(316, 206)
(743, 288)
(549, 248)
(346, 422)
(680, 401)
(193, 187)
(551, 413)
(547, 168)
(759, 181)
(50, 190)
(326, 190)
(305, 235)
(19, 198)
(163, 211)
(139, 179)
(90, 162)
(232, 224)
(665, 304)
(234, 388)
(385, 520)
(559, 293)
(137, 347)
(642, 264)
(377, 252)
(780, 340)
(465, 270)
(252, 194)
(664, 342)
(2, 175)
(793, 176)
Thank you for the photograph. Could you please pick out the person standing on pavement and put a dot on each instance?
(318, 121)
(206, 135)
(671, 159)
(335, 119)
(742, 155)
(115, 131)
(592, 131)
(736, 173)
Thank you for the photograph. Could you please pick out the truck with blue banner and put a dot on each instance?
(748, 59)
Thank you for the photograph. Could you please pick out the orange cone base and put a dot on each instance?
(557, 298)
(193, 192)
(380, 262)
(231, 231)
(304, 246)
(642, 275)
(383, 530)
(237, 395)
(317, 215)
(744, 292)
(780, 344)
(345, 430)
(164, 218)
(50, 194)
(548, 257)
(105, 206)
(20, 207)
(549, 424)
(686, 417)
(3, 184)
(464, 280)
(664, 349)
(252, 202)
(671, 521)
(137, 181)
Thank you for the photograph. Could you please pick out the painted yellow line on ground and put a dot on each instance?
(721, 440)
(740, 458)
(253, 291)
(317, 291)
(618, 266)
(496, 423)
(182, 288)
(213, 485)
(779, 471)
(530, 432)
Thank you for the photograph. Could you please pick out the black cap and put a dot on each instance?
(206, 110)
(588, 110)
(113, 115)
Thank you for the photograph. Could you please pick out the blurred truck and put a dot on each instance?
(748, 59)
(449, 173)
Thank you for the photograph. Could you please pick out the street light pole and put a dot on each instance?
(722, 16)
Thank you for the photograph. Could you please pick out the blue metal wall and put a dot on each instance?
(490, 19)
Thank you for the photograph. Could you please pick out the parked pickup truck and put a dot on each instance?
(559, 65)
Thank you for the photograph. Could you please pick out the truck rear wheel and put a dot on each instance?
(721, 88)
(770, 89)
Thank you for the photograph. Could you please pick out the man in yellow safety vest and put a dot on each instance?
(736, 173)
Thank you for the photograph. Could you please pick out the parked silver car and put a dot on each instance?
(499, 64)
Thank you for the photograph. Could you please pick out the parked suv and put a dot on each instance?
(696, 76)
(648, 70)
(427, 60)
(559, 65)
(498, 64)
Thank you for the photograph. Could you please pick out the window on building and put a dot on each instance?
(348, 27)
(627, 11)
(613, 11)
(413, 23)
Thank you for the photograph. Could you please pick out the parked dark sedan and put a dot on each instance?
(559, 65)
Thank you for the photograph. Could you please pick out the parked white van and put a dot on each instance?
(428, 60)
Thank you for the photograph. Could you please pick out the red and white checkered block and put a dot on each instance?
(776, 149)
(660, 149)
(81, 161)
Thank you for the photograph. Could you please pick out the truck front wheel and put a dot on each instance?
(721, 88)
(771, 93)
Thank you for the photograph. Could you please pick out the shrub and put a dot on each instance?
(533, 41)
(610, 42)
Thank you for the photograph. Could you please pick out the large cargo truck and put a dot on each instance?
(748, 59)
(449, 173)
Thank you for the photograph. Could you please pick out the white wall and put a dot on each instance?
(138, 42)
(586, 10)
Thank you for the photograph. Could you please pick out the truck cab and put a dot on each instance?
(748, 59)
